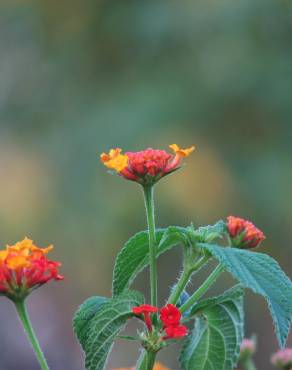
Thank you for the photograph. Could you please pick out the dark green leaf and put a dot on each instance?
(134, 256)
(231, 294)
(97, 324)
(83, 316)
(263, 275)
(218, 332)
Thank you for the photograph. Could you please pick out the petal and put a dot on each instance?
(182, 152)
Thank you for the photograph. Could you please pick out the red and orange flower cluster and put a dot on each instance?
(170, 317)
(24, 267)
(243, 233)
(147, 166)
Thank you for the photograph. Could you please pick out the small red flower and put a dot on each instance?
(244, 234)
(147, 166)
(175, 331)
(170, 315)
(24, 267)
(146, 310)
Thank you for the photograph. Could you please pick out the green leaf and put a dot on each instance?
(234, 293)
(218, 332)
(98, 322)
(82, 317)
(262, 275)
(134, 256)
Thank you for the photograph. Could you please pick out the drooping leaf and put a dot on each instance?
(215, 340)
(97, 323)
(134, 256)
(263, 275)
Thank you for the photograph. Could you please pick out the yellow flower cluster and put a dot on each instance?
(21, 254)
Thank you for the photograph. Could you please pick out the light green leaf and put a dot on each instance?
(214, 343)
(207, 234)
(97, 323)
(134, 256)
(263, 275)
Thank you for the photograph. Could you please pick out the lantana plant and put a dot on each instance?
(210, 330)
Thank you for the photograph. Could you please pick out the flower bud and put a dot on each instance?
(243, 233)
(283, 359)
(247, 348)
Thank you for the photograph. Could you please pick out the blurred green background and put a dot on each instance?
(79, 77)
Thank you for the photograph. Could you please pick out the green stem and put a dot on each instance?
(182, 282)
(149, 204)
(23, 315)
(202, 289)
(184, 279)
(150, 360)
(248, 364)
(146, 360)
(142, 361)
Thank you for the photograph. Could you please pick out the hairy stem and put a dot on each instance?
(149, 205)
(182, 282)
(184, 279)
(202, 289)
(23, 316)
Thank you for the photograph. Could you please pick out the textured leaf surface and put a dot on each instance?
(134, 256)
(233, 293)
(263, 275)
(81, 320)
(207, 234)
(214, 343)
(98, 322)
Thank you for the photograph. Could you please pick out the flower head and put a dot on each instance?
(244, 234)
(170, 315)
(175, 331)
(145, 310)
(283, 359)
(147, 166)
(24, 267)
(247, 348)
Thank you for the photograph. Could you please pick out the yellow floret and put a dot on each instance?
(16, 262)
(115, 160)
(181, 152)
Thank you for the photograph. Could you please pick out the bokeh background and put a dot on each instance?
(78, 77)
